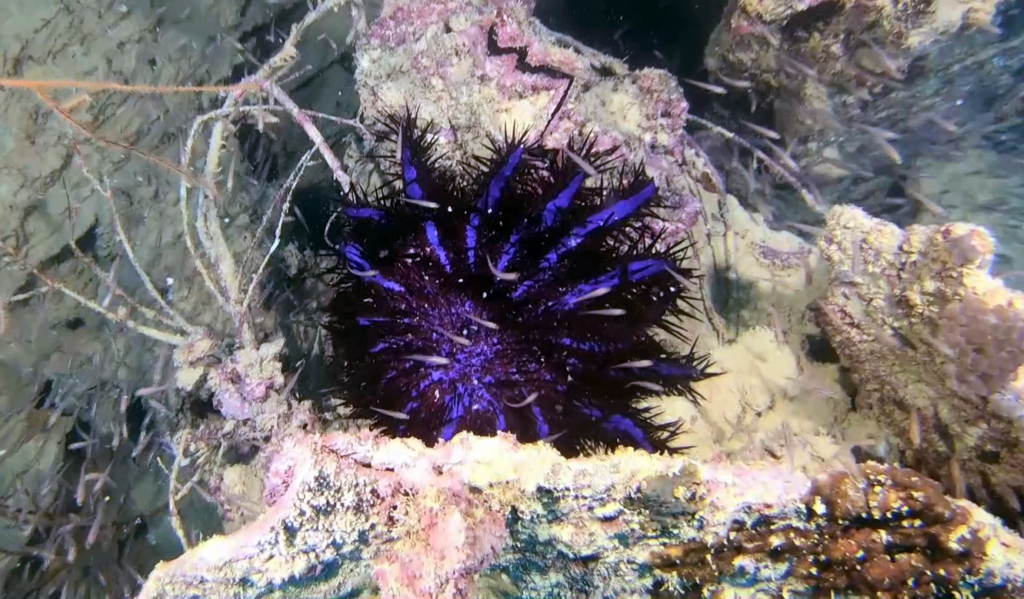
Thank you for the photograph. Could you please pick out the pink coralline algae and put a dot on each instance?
(473, 68)
(487, 516)
(244, 382)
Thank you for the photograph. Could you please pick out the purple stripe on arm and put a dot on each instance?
(497, 185)
(435, 242)
(620, 210)
(409, 175)
(550, 217)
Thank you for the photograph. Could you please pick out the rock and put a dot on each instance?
(805, 47)
(477, 68)
(352, 514)
(935, 346)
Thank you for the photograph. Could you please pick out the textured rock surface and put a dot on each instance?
(477, 67)
(486, 516)
(96, 40)
(935, 345)
(889, 534)
(49, 202)
(778, 43)
(52, 350)
(437, 58)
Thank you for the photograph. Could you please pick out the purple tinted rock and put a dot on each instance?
(475, 68)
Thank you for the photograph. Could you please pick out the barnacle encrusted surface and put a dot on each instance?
(935, 346)
(518, 294)
(487, 516)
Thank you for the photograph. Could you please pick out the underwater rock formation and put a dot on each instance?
(486, 516)
(440, 58)
(935, 346)
(475, 68)
(887, 532)
(879, 104)
(355, 514)
(809, 44)
(128, 43)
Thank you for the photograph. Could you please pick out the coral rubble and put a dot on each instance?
(935, 346)
(482, 516)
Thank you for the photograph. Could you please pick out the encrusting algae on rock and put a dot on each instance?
(481, 516)
(935, 346)
(889, 534)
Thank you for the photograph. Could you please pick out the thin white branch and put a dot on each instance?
(287, 190)
(117, 317)
(122, 237)
(312, 132)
